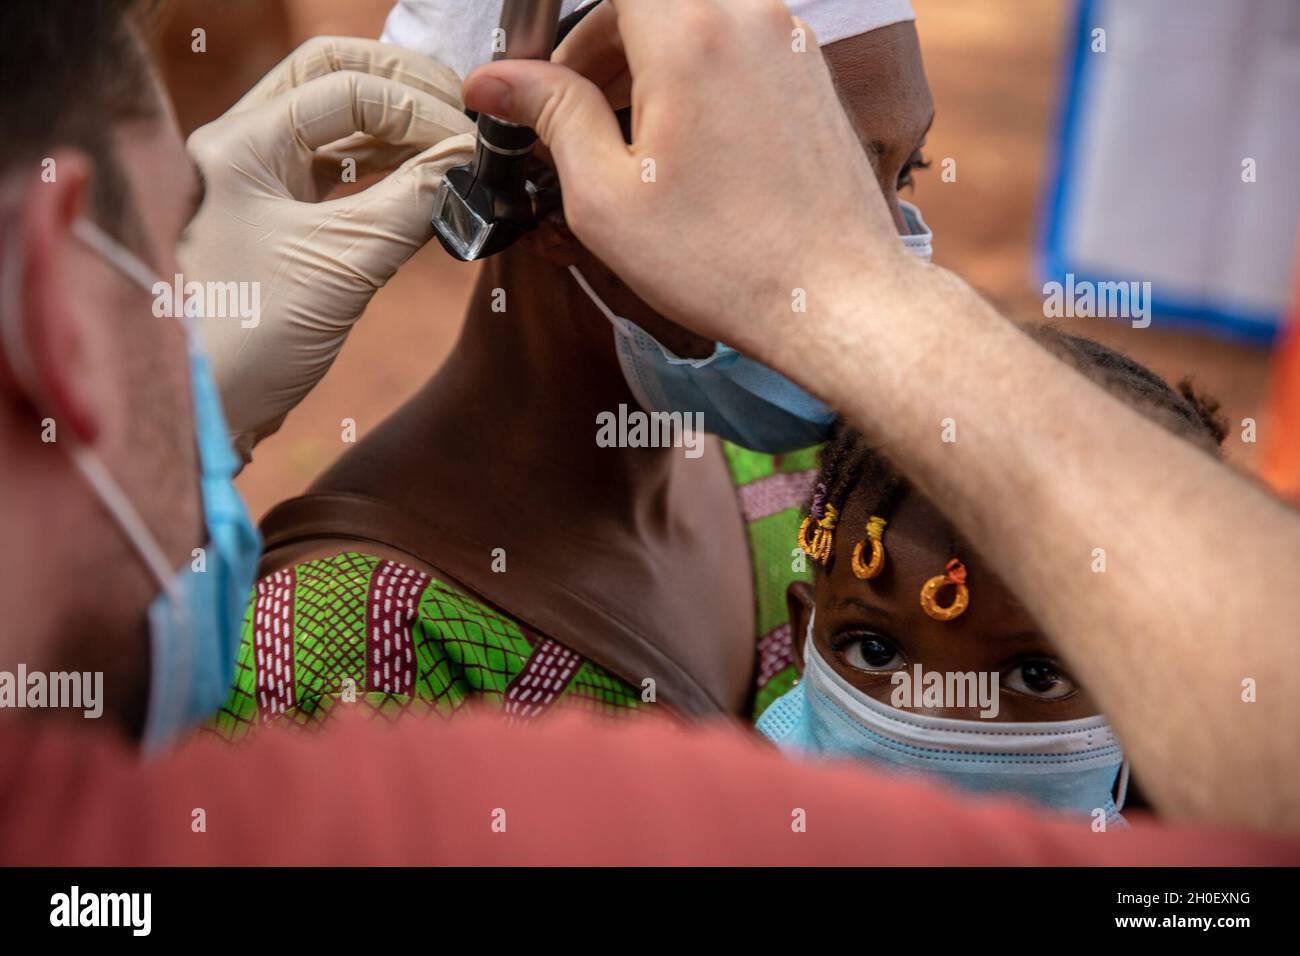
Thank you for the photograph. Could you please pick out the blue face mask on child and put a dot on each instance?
(195, 620)
(1068, 765)
(741, 401)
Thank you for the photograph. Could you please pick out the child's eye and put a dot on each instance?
(1040, 678)
(870, 652)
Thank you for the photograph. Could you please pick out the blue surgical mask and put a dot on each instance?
(742, 401)
(195, 620)
(1067, 765)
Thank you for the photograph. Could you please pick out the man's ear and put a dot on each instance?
(53, 366)
(799, 600)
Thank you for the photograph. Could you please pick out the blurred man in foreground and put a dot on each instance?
(124, 466)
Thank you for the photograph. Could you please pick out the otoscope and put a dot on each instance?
(485, 207)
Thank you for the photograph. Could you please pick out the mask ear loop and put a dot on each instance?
(179, 661)
(596, 300)
(110, 249)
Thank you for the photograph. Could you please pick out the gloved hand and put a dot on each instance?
(266, 164)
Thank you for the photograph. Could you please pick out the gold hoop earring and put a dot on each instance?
(954, 574)
(876, 535)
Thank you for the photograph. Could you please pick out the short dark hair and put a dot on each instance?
(850, 463)
(70, 71)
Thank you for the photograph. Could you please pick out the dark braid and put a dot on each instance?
(849, 463)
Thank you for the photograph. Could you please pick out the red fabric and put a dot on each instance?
(573, 792)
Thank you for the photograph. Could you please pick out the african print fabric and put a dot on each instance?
(356, 629)
(773, 491)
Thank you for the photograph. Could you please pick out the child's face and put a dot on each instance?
(869, 630)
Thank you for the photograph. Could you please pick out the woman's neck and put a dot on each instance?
(534, 367)
(626, 555)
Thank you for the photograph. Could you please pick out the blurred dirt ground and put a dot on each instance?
(994, 69)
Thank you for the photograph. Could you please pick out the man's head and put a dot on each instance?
(84, 361)
(884, 91)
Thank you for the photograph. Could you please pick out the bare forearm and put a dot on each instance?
(1050, 476)
(1046, 466)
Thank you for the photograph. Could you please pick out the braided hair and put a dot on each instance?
(849, 463)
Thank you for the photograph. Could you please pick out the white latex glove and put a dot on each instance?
(266, 163)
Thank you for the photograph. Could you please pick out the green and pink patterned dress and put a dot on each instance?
(357, 629)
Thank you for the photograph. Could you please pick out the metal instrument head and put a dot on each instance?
(486, 206)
